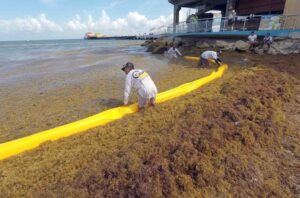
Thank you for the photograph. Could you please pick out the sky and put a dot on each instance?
(68, 19)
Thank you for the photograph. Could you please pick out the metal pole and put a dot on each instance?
(175, 17)
(294, 25)
(284, 19)
(244, 24)
(230, 5)
(222, 29)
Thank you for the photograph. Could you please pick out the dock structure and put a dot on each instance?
(143, 37)
(201, 5)
(99, 36)
(237, 17)
(113, 38)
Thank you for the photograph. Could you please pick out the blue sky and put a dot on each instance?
(42, 19)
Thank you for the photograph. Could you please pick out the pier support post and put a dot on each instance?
(230, 6)
(176, 17)
(292, 8)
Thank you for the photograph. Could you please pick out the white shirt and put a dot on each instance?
(141, 81)
(268, 39)
(232, 14)
(173, 53)
(252, 38)
(209, 55)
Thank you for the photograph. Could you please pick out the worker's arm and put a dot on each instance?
(170, 53)
(178, 52)
(255, 39)
(218, 61)
(249, 38)
(127, 89)
(265, 39)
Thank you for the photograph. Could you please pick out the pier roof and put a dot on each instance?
(196, 3)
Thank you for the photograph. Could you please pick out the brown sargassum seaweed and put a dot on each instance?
(229, 139)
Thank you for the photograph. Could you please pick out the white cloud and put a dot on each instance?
(137, 20)
(90, 23)
(132, 24)
(75, 24)
(30, 24)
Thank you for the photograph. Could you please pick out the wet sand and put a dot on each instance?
(63, 88)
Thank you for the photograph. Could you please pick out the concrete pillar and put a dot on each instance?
(292, 7)
(230, 6)
(176, 17)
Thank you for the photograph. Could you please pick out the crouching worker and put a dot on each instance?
(205, 56)
(141, 81)
(252, 40)
(267, 42)
(174, 53)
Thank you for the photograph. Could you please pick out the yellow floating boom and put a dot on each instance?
(196, 58)
(193, 58)
(20, 145)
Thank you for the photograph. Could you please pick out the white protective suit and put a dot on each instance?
(209, 55)
(173, 53)
(141, 81)
(252, 38)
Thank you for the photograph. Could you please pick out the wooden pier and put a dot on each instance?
(145, 37)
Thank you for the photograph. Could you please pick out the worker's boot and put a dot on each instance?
(152, 102)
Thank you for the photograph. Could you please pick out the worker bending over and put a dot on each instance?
(252, 39)
(141, 81)
(174, 53)
(267, 42)
(205, 56)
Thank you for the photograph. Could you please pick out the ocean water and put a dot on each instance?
(24, 58)
(26, 50)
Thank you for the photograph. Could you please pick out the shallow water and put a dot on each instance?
(44, 84)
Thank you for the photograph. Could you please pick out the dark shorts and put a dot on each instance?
(142, 102)
(203, 62)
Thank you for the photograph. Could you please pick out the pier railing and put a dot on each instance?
(239, 23)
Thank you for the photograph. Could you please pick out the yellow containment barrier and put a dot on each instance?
(192, 58)
(196, 58)
(18, 146)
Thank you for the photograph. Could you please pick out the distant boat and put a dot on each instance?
(92, 35)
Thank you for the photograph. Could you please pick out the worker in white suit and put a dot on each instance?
(174, 53)
(205, 56)
(140, 80)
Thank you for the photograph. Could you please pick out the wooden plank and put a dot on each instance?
(246, 7)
